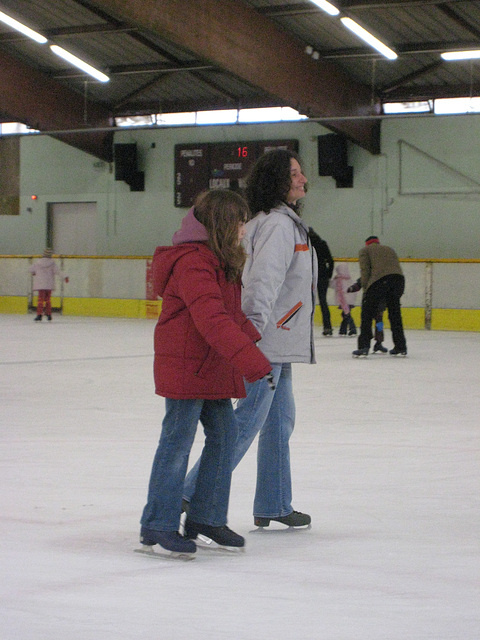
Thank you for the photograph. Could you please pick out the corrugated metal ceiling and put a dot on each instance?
(149, 74)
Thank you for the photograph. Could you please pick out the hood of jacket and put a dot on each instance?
(191, 230)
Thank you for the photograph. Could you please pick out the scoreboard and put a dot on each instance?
(222, 165)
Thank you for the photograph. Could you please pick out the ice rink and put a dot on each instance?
(385, 458)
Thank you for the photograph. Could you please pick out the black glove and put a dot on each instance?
(270, 381)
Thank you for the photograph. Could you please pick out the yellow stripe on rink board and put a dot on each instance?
(110, 308)
(13, 304)
(95, 307)
(456, 319)
(414, 318)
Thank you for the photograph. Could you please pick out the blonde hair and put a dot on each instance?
(221, 211)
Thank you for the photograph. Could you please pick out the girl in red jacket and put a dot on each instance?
(204, 346)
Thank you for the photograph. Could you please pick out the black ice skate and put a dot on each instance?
(38, 319)
(360, 353)
(223, 536)
(169, 540)
(379, 348)
(294, 519)
(398, 352)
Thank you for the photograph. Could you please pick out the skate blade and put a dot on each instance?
(207, 544)
(281, 529)
(165, 554)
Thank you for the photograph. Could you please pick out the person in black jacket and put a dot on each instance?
(325, 271)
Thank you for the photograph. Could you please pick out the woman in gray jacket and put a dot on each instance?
(278, 296)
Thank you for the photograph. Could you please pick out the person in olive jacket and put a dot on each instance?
(204, 347)
(383, 281)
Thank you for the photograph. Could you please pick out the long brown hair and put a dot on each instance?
(270, 180)
(221, 211)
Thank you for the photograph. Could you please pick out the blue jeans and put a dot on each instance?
(272, 413)
(209, 503)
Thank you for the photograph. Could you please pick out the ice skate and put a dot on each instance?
(294, 519)
(360, 353)
(398, 352)
(37, 318)
(224, 537)
(327, 332)
(352, 332)
(170, 541)
(379, 348)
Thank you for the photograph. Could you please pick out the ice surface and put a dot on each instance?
(385, 458)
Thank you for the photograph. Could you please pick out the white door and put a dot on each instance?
(72, 228)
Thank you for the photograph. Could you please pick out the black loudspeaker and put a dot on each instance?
(332, 154)
(333, 159)
(125, 157)
(344, 178)
(137, 181)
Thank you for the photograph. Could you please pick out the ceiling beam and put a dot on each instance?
(409, 78)
(425, 92)
(359, 5)
(302, 8)
(235, 37)
(47, 105)
(411, 49)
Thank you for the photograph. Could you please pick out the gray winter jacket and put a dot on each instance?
(279, 285)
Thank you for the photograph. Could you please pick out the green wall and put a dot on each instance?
(421, 195)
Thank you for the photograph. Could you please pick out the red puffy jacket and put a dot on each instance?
(204, 343)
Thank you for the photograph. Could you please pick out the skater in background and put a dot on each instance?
(278, 296)
(325, 272)
(44, 271)
(204, 346)
(382, 280)
(379, 334)
(345, 301)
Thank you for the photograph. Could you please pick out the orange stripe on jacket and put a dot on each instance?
(288, 315)
(301, 247)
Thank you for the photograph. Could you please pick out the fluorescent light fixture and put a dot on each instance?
(367, 37)
(22, 28)
(79, 63)
(327, 7)
(460, 55)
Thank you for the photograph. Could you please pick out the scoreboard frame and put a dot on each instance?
(218, 165)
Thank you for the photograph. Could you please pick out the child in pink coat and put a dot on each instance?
(44, 271)
(340, 282)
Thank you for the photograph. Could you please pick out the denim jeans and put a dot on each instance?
(209, 503)
(272, 413)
